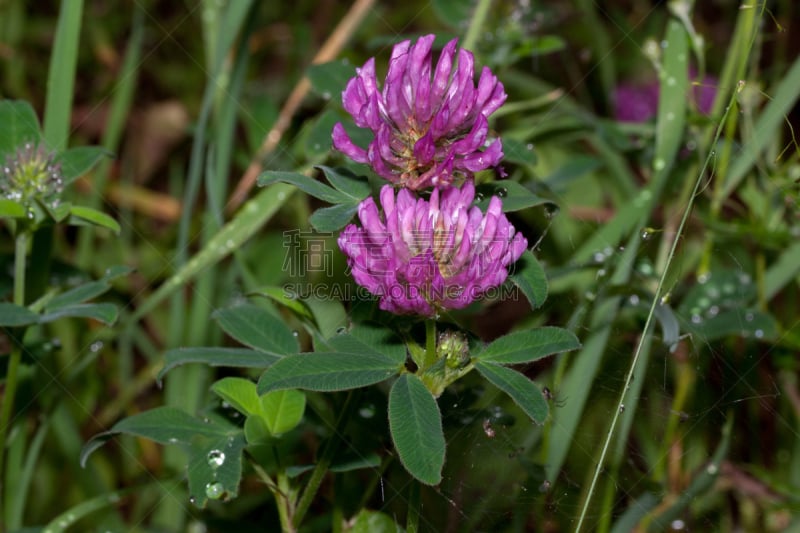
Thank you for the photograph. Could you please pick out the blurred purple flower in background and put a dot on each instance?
(639, 102)
(426, 256)
(428, 124)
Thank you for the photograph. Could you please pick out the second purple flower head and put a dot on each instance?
(429, 125)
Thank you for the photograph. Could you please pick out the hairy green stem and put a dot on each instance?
(323, 463)
(20, 254)
(412, 520)
(430, 343)
(285, 500)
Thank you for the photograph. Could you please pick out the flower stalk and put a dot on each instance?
(20, 256)
(430, 343)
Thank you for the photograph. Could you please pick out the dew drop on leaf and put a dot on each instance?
(216, 458)
(214, 491)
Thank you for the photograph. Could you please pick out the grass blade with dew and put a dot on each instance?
(670, 122)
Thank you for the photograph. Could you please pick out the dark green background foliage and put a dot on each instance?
(671, 248)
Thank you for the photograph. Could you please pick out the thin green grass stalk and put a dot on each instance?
(12, 24)
(648, 324)
(684, 381)
(17, 444)
(115, 125)
(17, 498)
(476, 24)
(630, 219)
(601, 43)
(733, 72)
(620, 446)
(10, 392)
(61, 77)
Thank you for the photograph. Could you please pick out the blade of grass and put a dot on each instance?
(780, 105)
(187, 387)
(61, 77)
(782, 272)
(577, 382)
(119, 110)
(670, 122)
(678, 44)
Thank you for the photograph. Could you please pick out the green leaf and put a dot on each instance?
(329, 315)
(529, 345)
(59, 212)
(279, 295)
(416, 426)
(19, 126)
(334, 218)
(75, 162)
(318, 142)
(215, 356)
(214, 447)
(546, 44)
(374, 338)
(330, 79)
(514, 196)
(255, 327)
(103, 312)
(240, 393)
(164, 425)
(529, 276)
(742, 322)
(215, 467)
(367, 521)
(94, 217)
(372, 460)
(13, 315)
(87, 291)
(12, 209)
(327, 371)
(719, 291)
(520, 152)
(523, 391)
(256, 430)
(306, 184)
(346, 182)
(282, 410)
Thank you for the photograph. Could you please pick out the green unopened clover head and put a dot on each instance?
(32, 173)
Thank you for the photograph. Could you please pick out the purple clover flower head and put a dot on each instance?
(639, 103)
(429, 125)
(425, 256)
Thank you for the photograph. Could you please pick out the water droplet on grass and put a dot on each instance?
(759, 333)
